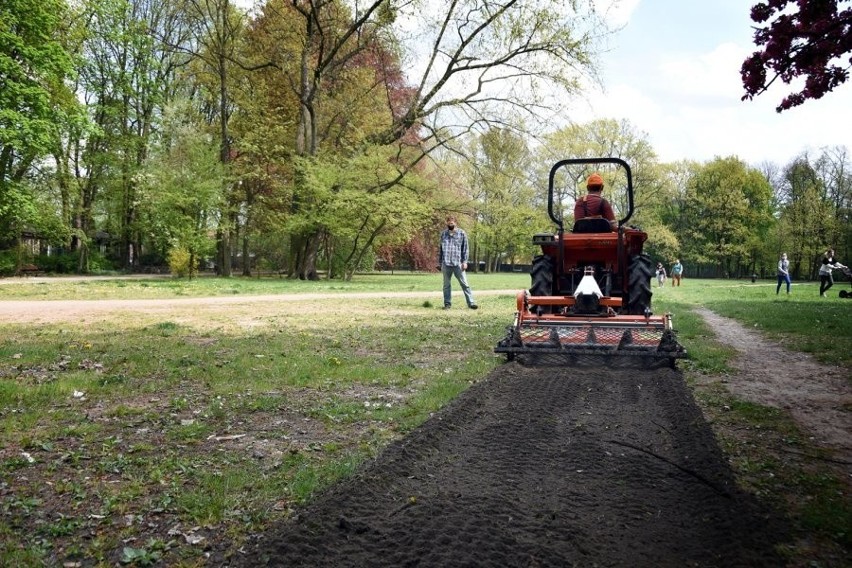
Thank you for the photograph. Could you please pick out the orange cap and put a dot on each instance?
(595, 179)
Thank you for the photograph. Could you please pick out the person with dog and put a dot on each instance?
(829, 263)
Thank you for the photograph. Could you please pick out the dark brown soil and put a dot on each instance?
(540, 467)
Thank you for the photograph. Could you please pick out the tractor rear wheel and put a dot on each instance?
(541, 275)
(639, 284)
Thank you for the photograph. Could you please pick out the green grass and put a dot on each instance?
(775, 461)
(209, 420)
(213, 425)
(802, 321)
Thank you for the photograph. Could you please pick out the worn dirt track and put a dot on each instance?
(817, 396)
(539, 467)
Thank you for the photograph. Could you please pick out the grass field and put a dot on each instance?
(115, 433)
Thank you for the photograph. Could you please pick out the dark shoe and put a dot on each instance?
(473, 307)
(447, 306)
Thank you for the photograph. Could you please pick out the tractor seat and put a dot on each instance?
(592, 225)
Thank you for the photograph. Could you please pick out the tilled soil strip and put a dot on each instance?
(540, 467)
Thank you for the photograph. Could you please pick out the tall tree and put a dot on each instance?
(500, 184)
(333, 63)
(181, 191)
(358, 216)
(809, 221)
(672, 206)
(127, 78)
(33, 98)
(484, 61)
(810, 39)
(217, 30)
(834, 167)
(728, 210)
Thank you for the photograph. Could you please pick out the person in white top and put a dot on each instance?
(829, 263)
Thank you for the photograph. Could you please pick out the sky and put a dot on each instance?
(673, 73)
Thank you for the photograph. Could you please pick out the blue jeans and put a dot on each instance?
(449, 272)
(781, 279)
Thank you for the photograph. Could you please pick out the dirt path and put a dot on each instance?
(55, 311)
(540, 467)
(817, 396)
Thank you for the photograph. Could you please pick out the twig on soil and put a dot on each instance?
(694, 474)
(226, 438)
(661, 426)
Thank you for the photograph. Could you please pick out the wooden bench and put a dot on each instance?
(29, 270)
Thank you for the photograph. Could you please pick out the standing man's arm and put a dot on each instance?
(464, 251)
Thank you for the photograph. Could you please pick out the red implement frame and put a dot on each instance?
(610, 335)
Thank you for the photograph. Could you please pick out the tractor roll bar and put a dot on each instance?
(569, 161)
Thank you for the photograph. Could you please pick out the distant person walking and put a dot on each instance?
(452, 259)
(783, 273)
(829, 263)
(661, 275)
(677, 272)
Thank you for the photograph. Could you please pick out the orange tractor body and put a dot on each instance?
(590, 296)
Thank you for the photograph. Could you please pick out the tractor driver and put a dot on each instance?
(593, 204)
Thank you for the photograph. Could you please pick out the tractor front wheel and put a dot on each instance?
(639, 285)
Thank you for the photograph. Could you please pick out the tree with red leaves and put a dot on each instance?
(810, 42)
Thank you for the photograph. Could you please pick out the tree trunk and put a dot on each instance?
(246, 260)
(223, 251)
(303, 258)
(309, 268)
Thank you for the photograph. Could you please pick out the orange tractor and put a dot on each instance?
(590, 297)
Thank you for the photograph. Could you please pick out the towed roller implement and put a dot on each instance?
(566, 339)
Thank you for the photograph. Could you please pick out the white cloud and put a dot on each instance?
(690, 106)
(713, 74)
